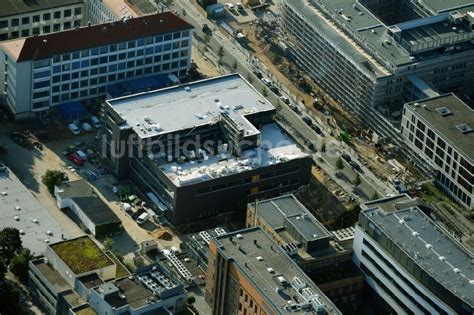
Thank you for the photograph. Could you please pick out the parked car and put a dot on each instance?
(74, 128)
(275, 90)
(86, 127)
(143, 218)
(258, 74)
(355, 166)
(96, 122)
(316, 129)
(295, 109)
(346, 157)
(74, 157)
(3, 167)
(285, 100)
(206, 29)
(308, 120)
(239, 6)
(266, 81)
(229, 6)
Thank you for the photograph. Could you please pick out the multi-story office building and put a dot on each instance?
(41, 72)
(248, 273)
(103, 11)
(412, 263)
(371, 66)
(76, 276)
(202, 148)
(19, 18)
(321, 254)
(440, 131)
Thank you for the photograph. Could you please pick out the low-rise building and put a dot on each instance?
(41, 72)
(19, 18)
(84, 202)
(202, 148)
(326, 257)
(77, 275)
(411, 262)
(440, 131)
(21, 210)
(248, 273)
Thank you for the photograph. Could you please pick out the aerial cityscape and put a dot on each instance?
(230, 157)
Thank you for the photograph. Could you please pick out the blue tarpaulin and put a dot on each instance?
(72, 111)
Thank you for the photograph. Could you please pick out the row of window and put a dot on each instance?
(38, 18)
(158, 67)
(44, 30)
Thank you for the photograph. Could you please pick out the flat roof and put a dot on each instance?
(276, 147)
(444, 6)
(393, 203)
(430, 242)
(448, 125)
(243, 247)
(14, 194)
(276, 210)
(52, 275)
(47, 45)
(88, 201)
(15, 7)
(120, 8)
(81, 255)
(191, 105)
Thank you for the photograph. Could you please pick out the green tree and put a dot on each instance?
(52, 178)
(167, 3)
(184, 12)
(10, 294)
(3, 270)
(375, 196)
(234, 65)
(339, 164)
(250, 78)
(221, 53)
(264, 91)
(357, 180)
(108, 243)
(10, 243)
(19, 264)
(207, 38)
(323, 147)
(191, 299)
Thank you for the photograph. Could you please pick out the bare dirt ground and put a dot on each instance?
(204, 66)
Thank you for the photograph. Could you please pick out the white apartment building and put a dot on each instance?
(41, 72)
(103, 11)
(414, 265)
(19, 18)
(440, 131)
(373, 67)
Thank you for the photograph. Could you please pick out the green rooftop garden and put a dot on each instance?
(81, 255)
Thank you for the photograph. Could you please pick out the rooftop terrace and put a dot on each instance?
(276, 147)
(430, 247)
(450, 118)
(188, 106)
(267, 267)
(81, 255)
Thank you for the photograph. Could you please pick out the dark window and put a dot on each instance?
(36, 18)
(15, 34)
(3, 23)
(36, 31)
(25, 33)
(46, 29)
(15, 22)
(77, 11)
(25, 20)
(57, 14)
(67, 25)
(47, 16)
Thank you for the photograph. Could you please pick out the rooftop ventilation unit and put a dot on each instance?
(464, 128)
(444, 111)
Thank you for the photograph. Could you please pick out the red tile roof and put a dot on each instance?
(45, 46)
